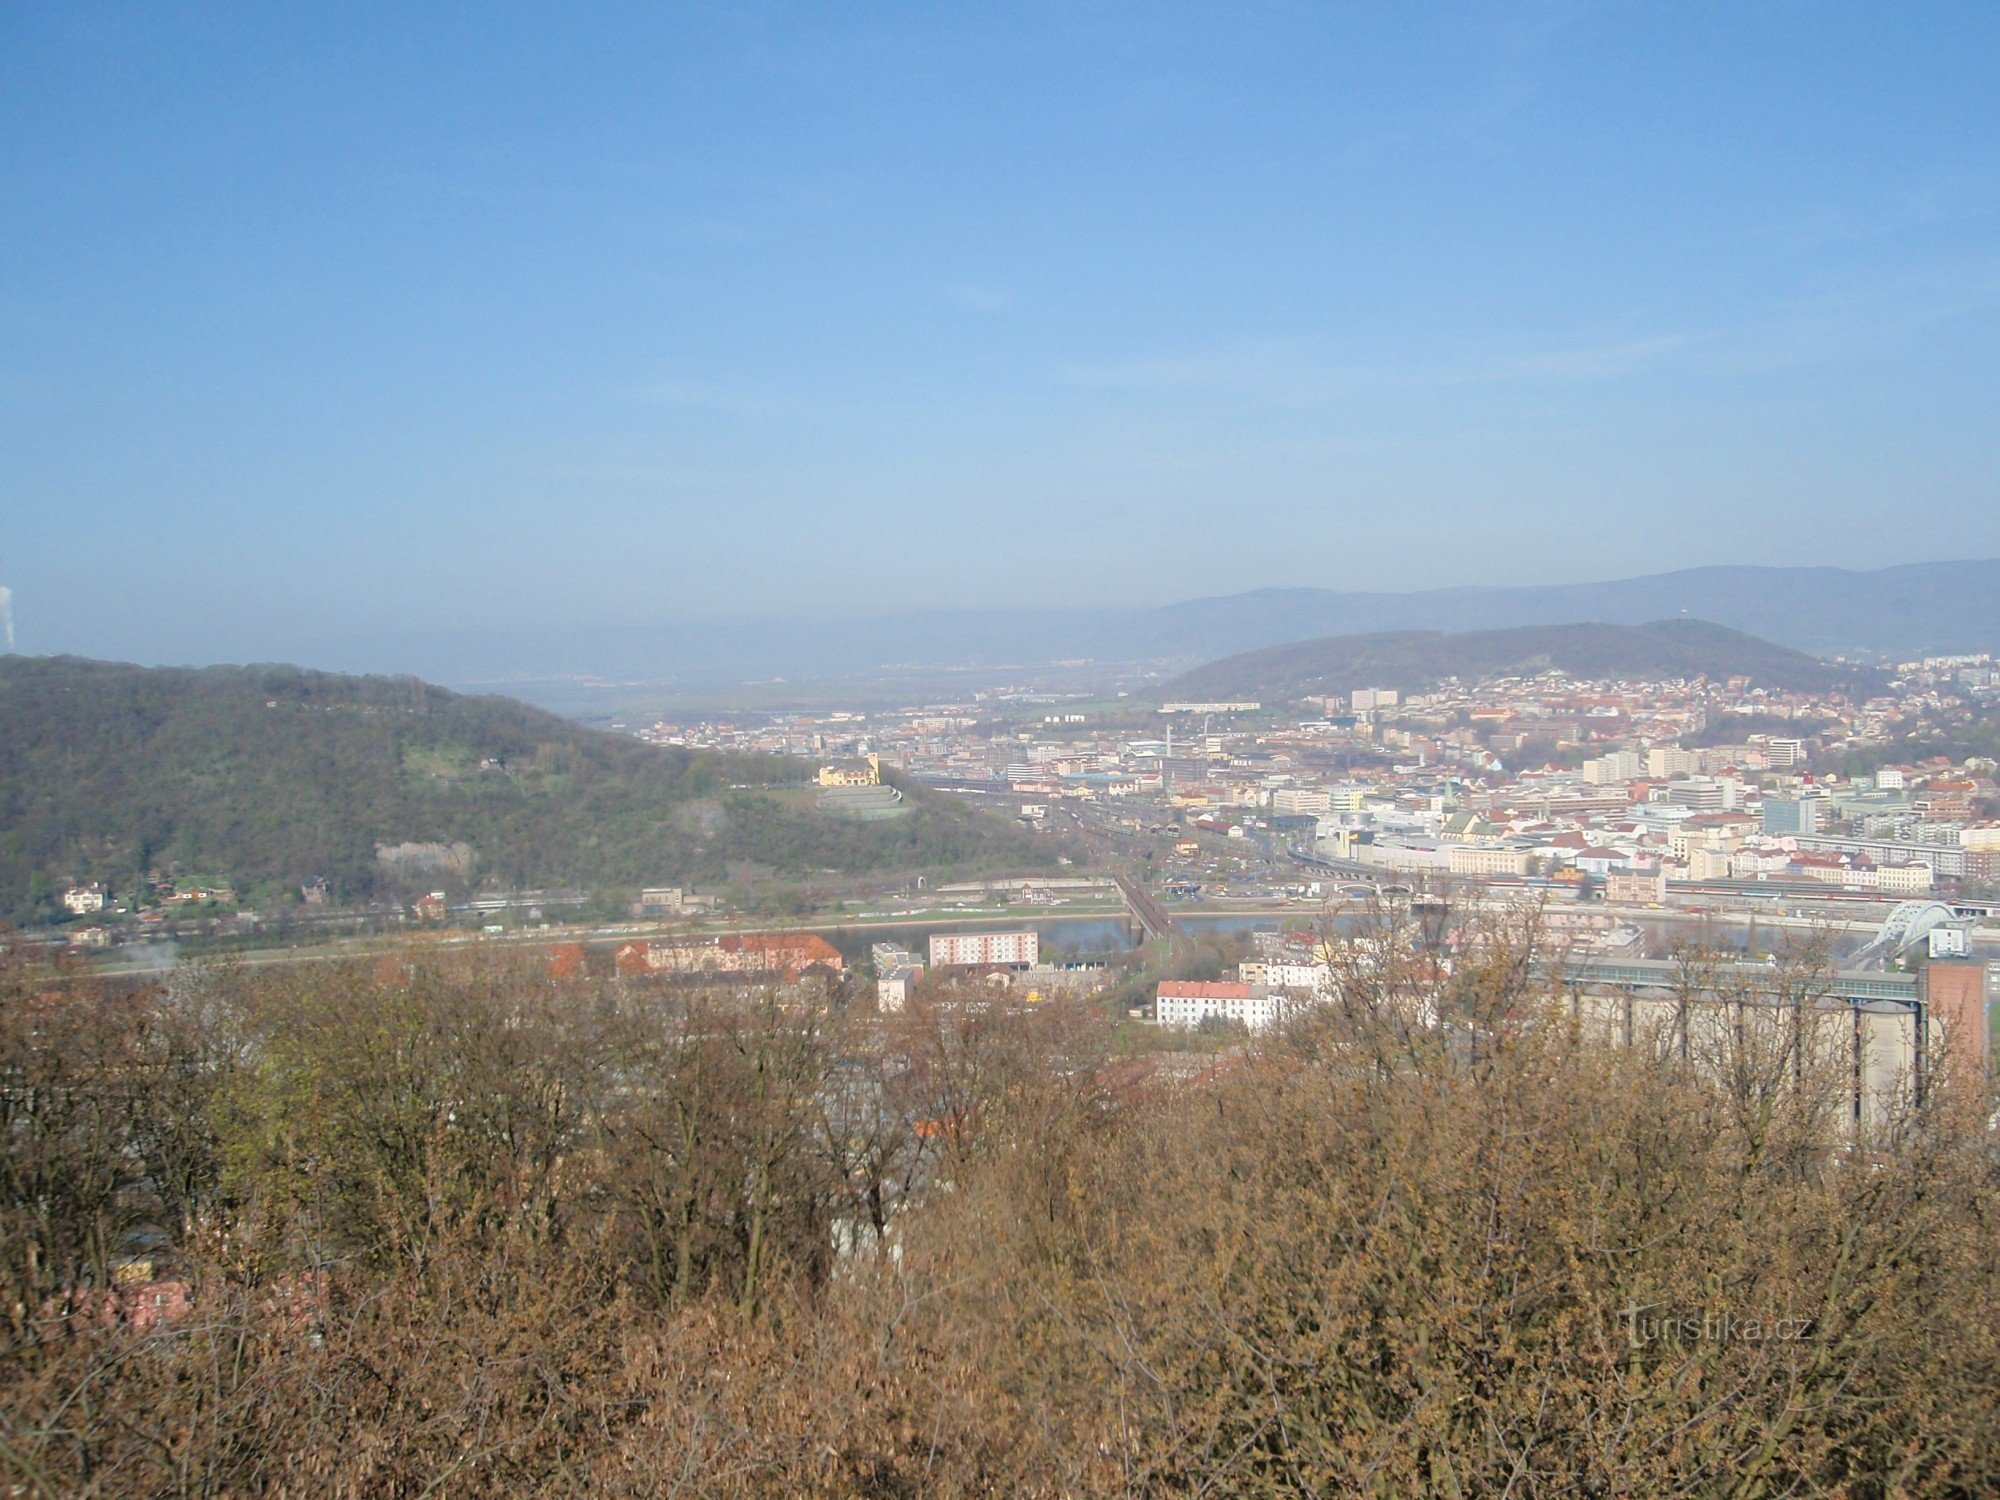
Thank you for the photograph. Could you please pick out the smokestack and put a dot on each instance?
(7, 617)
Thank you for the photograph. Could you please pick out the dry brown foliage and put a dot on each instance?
(472, 1233)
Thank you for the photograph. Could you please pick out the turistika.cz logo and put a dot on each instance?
(1645, 1327)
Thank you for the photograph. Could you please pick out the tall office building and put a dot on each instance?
(1783, 815)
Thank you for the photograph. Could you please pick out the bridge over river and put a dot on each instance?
(1146, 910)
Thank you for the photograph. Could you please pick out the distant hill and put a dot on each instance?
(1415, 659)
(1901, 611)
(1898, 611)
(270, 776)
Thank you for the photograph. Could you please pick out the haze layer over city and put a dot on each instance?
(969, 750)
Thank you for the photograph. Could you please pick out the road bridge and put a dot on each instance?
(1349, 868)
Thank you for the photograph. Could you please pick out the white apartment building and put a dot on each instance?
(1691, 835)
(1757, 862)
(1785, 753)
(1487, 859)
(1616, 766)
(892, 988)
(1313, 979)
(1706, 793)
(1301, 801)
(1671, 760)
(1709, 864)
(1187, 1003)
(1010, 949)
(1944, 860)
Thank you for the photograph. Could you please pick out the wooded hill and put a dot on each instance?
(1412, 660)
(266, 777)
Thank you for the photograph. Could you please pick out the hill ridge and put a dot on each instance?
(1903, 610)
(1414, 659)
(271, 776)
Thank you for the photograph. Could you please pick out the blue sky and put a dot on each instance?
(374, 321)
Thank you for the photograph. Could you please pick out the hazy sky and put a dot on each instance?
(386, 319)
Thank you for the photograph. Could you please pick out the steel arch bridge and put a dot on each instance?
(1906, 926)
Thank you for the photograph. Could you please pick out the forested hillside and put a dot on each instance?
(269, 776)
(1415, 659)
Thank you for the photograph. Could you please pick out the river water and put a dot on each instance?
(1099, 936)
